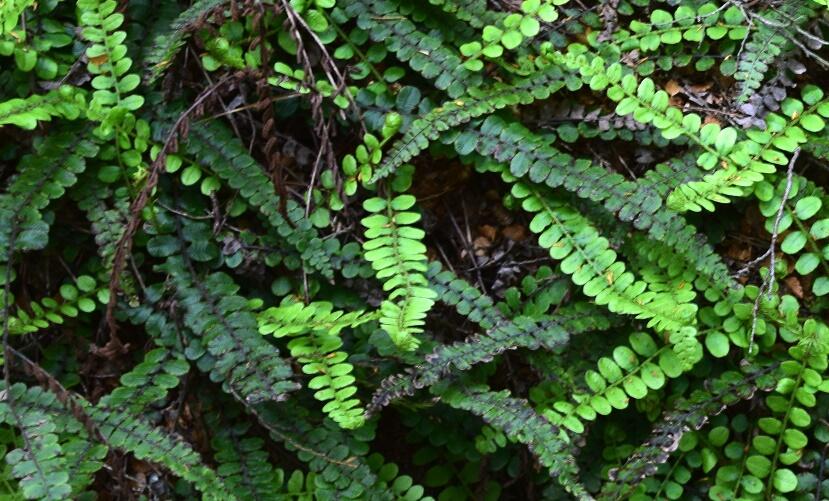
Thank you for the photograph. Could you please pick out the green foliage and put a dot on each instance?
(394, 249)
(593, 265)
(459, 111)
(66, 102)
(10, 14)
(620, 377)
(802, 227)
(42, 177)
(108, 61)
(82, 297)
(227, 331)
(215, 148)
(41, 466)
(686, 415)
(595, 235)
(148, 382)
(424, 52)
(166, 45)
(511, 32)
(530, 156)
(315, 332)
(768, 42)
(519, 422)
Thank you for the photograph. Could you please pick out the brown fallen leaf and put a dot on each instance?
(515, 232)
(488, 231)
(793, 284)
(673, 88)
(481, 244)
(711, 120)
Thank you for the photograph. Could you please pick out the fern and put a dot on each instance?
(619, 379)
(148, 382)
(82, 297)
(337, 458)
(514, 30)
(41, 466)
(243, 464)
(43, 176)
(764, 149)
(767, 43)
(803, 227)
(519, 422)
(502, 335)
(271, 303)
(530, 156)
(727, 390)
(318, 328)
(228, 332)
(743, 164)
(451, 114)
(398, 257)
(214, 147)
(123, 431)
(166, 45)
(782, 440)
(10, 14)
(66, 102)
(108, 61)
(107, 219)
(687, 23)
(593, 265)
(424, 52)
(126, 432)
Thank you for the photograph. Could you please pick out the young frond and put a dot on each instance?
(314, 330)
(397, 255)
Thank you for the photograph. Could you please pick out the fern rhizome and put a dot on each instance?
(401, 249)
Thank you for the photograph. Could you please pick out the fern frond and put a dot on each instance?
(515, 29)
(81, 297)
(41, 465)
(453, 113)
(337, 457)
(245, 363)
(123, 431)
(619, 378)
(10, 13)
(147, 382)
(688, 414)
(108, 219)
(781, 440)
(502, 335)
(215, 148)
(126, 432)
(530, 156)
(43, 176)
(742, 164)
(688, 22)
(425, 53)
(767, 42)
(587, 257)
(521, 423)
(802, 227)
(315, 332)
(398, 257)
(108, 61)
(243, 461)
(67, 102)
(165, 47)
(760, 153)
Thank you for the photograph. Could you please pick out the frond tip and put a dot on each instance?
(395, 251)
